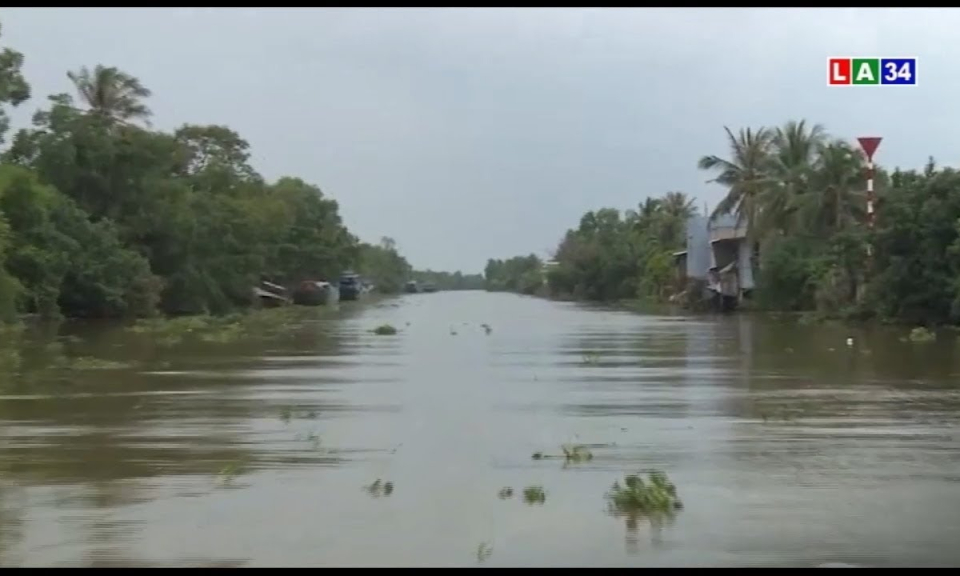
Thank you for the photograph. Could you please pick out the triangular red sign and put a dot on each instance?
(869, 145)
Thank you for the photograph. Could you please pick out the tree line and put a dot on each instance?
(101, 216)
(802, 195)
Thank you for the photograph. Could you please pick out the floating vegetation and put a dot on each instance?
(229, 473)
(534, 495)
(452, 331)
(505, 493)
(286, 413)
(572, 453)
(385, 330)
(921, 335)
(779, 414)
(576, 453)
(224, 334)
(10, 360)
(314, 439)
(487, 328)
(89, 363)
(169, 340)
(222, 329)
(591, 358)
(484, 550)
(657, 496)
(379, 488)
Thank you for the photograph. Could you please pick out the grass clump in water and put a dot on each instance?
(505, 493)
(484, 550)
(89, 363)
(379, 488)
(229, 473)
(487, 328)
(534, 495)
(576, 453)
(921, 335)
(385, 330)
(572, 454)
(265, 323)
(657, 496)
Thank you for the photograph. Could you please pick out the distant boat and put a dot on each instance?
(315, 293)
(411, 287)
(270, 295)
(429, 287)
(350, 286)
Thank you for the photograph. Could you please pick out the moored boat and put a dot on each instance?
(350, 286)
(315, 293)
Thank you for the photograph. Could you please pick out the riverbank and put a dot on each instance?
(910, 332)
(47, 350)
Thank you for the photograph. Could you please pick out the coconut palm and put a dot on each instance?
(836, 196)
(678, 205)
(794, 153)
(745, 174)
(112, 94)
(675, 209)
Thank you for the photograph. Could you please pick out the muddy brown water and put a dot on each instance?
(788, 446)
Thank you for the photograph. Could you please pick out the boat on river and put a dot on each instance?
(351, 286)
(315, 293)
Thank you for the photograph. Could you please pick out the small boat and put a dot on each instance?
(411, 287)
(315, 293)
(270, 295)
(429, 287)
(269, 299)
(350, 286)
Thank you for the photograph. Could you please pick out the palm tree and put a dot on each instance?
(836, 197)
(112, 94)
(678, 205)
(675, 209)
(745, 174)
(793, 156)
(649, 207)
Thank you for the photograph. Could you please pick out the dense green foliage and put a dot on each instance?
(102, 217)
(523, 274)
(383, 266)
(610, 256)
(449, 281)
(801, 195)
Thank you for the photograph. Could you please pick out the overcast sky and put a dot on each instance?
(466, 134)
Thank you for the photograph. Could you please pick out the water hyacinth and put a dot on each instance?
(385, 330)
(656, 496)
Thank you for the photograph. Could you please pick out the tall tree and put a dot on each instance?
(792, 161)
(745, 174)
(112, 94)
(14, 89)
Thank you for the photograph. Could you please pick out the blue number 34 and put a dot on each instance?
(899, 70)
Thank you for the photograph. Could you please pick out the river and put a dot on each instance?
(788, 446)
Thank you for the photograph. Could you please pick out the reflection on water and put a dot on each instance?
(789, 446)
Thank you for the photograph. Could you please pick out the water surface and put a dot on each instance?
(788, 446)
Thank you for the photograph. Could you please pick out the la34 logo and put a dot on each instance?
(871, 71)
